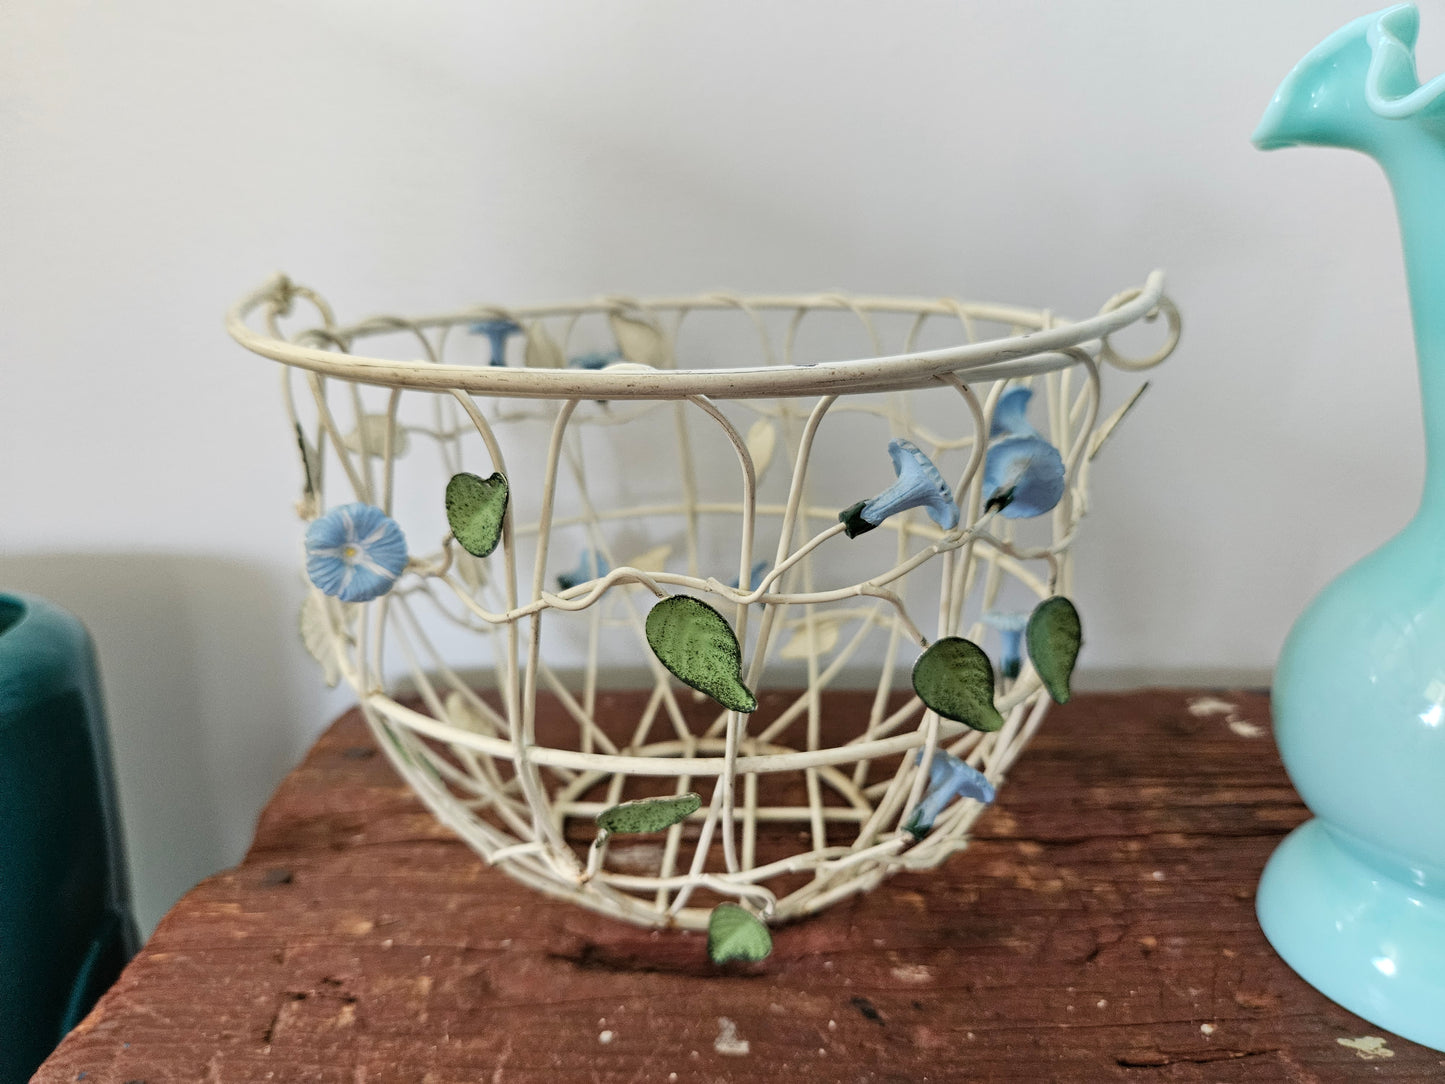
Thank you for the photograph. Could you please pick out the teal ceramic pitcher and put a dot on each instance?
(1354, 900)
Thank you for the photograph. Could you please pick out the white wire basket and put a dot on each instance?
(700, 446)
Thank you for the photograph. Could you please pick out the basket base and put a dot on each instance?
(1366, 941)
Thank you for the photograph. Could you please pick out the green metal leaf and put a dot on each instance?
(736, 934)
(955, 679)
(1054, 636)
(475, 509)
(649, 814)
(697, 644)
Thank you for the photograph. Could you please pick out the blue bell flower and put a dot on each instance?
(948, 778)
(355, 552)
(755, 575)
(1010, 417)
(1010, 628)
(919, 485)
(595, 361)
(498, 331)
(590, 566)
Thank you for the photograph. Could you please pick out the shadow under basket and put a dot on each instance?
(697, 446)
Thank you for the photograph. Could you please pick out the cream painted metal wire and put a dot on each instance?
(649, 478)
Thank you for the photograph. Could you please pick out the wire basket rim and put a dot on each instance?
(1031, 353)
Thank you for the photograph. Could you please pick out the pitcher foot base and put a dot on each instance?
(1366, 941)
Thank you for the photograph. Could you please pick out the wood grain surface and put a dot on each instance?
(1100, 928)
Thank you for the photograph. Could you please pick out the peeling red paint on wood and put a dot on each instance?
(1100, 928)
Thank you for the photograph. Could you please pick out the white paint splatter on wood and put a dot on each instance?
(1368, 1047)
(727, 1041)
(1209, 705)
(1203, 706)
(913, 973)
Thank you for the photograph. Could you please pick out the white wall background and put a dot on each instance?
(160, 157)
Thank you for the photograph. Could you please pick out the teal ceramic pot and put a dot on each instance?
(1354, 900)
(65, 921)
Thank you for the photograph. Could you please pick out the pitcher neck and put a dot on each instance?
(1416, 170)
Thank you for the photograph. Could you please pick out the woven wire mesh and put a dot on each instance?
(489, 682)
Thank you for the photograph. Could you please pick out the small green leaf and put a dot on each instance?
(697, 644)
(1054, 636)
(475, 509)
(955, 679)
(735, 934)
(649, 814)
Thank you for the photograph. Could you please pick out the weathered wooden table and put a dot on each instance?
(1100, 928)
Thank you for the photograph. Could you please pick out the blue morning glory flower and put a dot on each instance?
(355, 552)
(948, 778)
(497, 331)
(1010, 418)
(1023, 474)
(919, 485)
(1022, 477)
(1010, 628)
(590, 566)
